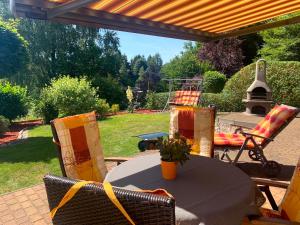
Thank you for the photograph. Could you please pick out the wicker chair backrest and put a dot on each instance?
(91, 206)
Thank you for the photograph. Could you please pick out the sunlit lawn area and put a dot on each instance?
(26, 163)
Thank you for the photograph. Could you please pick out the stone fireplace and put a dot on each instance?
(259, 95)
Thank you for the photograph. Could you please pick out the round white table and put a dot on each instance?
(207, 191)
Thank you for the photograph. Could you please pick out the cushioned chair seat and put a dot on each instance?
(227, 139)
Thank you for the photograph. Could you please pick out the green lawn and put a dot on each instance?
(26, 163)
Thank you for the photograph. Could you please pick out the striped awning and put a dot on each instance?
(186, 19)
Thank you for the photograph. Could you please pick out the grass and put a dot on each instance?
(25, 164)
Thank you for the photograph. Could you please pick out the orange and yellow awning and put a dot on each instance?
(187, 19)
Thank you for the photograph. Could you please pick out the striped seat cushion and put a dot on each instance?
(290, 205)
(81, 150)
(227, 139)
(273, 121)
(187, 98)
(195, 124)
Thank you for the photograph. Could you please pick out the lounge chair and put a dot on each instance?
(289, 210)
(186, 98)
(91, 205)
(79, 149)
(197, 125)
(258, 138)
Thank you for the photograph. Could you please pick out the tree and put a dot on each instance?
(187, 64)
(225, 55)
(13, 49)
(110, 89)
(4, 10)
(149, 78)
(282, 43)
(136, 63)
(250, 46)
(61, 49)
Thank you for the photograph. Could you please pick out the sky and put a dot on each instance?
(133, 44)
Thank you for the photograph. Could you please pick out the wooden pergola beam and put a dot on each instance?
(257, 28)
(67, 7)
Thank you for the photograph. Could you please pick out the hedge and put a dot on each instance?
(157, 100)
(282, 77)
(213, 82)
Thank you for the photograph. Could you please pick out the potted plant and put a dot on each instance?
(172, 151)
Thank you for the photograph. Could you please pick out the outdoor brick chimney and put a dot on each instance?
(259, 95)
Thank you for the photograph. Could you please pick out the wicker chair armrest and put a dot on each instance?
(116, 159)
(270, 183)
(255, 135)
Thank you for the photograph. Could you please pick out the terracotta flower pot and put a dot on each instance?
(168, 170)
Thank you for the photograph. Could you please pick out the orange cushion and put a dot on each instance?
(186, 98)
(274, 120)
(81, 149)
(227, 139)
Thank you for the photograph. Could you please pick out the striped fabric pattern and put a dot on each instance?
(265, 128)
(290, 205)
(195, 124)
(186, 98)
(80, 146)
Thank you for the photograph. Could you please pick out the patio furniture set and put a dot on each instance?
(206, 190)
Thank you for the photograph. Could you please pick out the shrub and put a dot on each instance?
(223, 101)
(102, 108)
(213, 82)
(282, 77)
(110, 89)
(46, 110)
(12, 100)
(157, 100)
(4, 124)
(72, 96)
(115, 108)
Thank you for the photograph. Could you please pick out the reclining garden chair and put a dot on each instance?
(186, 98)
(79, 149)
(197, 125)
(258, 138)
(289, 210)
(92, 206)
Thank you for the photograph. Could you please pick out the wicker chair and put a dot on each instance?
(258, 138)
(91, 206)
(80, 154)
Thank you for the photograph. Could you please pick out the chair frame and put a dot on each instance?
(264, 185)
(272, 168)
(117, 160)
(91, 205)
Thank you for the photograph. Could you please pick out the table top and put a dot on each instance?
(207, 191)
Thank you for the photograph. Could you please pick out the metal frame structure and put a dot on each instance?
(227, 18)
(197, 83)
(271, 168)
